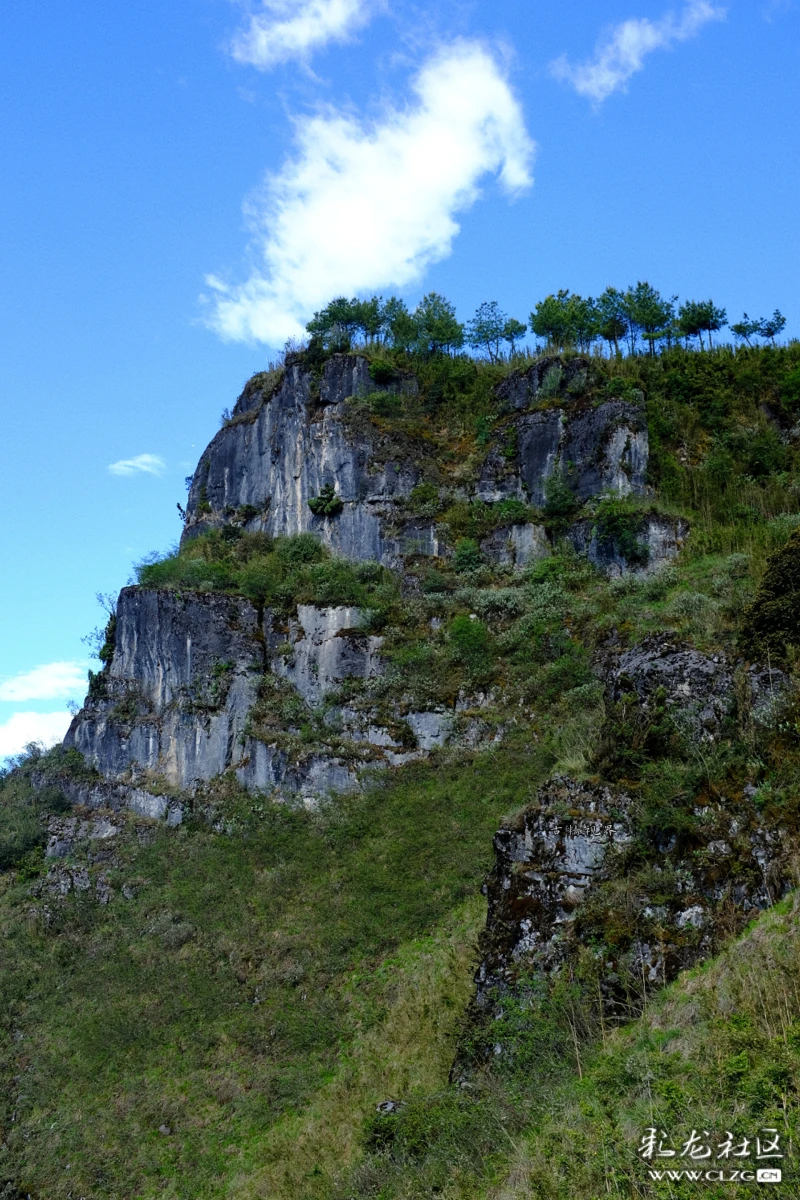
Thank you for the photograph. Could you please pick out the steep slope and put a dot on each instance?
(241, 907)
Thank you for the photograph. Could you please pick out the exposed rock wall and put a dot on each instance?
(296, 443)
(281, 449)
(552, 858)
(178, 704)
(178, 689)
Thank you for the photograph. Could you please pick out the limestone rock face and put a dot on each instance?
(178, 704)
(660, 539)
(323, 647)
(603, 449)
(546, 903)
(699, 690)
(281, 449)
(178, 690)
(267, 468)
(545, 860)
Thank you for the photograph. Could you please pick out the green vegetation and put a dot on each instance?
(327, 503)
(263, 977)
(255, 994)
(276, 572)
(565, 321)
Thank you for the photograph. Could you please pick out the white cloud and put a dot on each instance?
(25, 727)
(285, 29)
(142, 464)
(622, 53)
(53, 681)
(364, 206)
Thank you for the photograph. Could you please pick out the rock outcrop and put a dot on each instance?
(552, 861)
(182, 702)
(279, 451)
(282, 447)
(184, 699)
(175, 698)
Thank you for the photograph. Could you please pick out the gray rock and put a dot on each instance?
(262, 472)
(544, 862)
(698, 690)
(269, 769)
(180, 686)
(294, 447)
(326, 647)
(770, 689)
(661, 537)
(431, 729)
(516, 545)
(598, 450)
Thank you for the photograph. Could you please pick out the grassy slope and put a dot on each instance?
(267, 987)
(254, 974)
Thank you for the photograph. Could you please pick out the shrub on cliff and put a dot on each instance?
(279, 572)
(772, 622)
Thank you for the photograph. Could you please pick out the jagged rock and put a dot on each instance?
(661, 539)
(431, 729)
(544, 861)
(180, 685)
(99, 793)
(296, 444)
(770, 689)
(565, 377)
(262, 472)
(603, 449)
(266, 768)
(64, 832)
(323, 647)
(698, 690)
(516, 545)
(553, 858)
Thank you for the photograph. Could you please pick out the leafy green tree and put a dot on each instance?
(438, 329)
(552, 320)
(697, 317)
(612, 319)
(336, 324)
(648, 313)
(486, 330)
(689, 320)
(772, 326)
(584, 321)
(370, 317)
(514, 331)
(712, 319)
(400, 325)
(746, 329)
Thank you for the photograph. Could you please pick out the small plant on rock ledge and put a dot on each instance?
(327, 503)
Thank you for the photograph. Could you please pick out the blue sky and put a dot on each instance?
(182, 185)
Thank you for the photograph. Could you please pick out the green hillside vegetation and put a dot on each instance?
(228, 1024)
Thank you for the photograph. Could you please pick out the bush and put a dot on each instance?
(280, 572)
(381, 371)
(772, 622)
(327, 503)
(467, 554)
(559, 499)
(618, 525)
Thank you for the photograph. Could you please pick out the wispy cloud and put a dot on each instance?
(622, 52)
(53, 681)
(25, 727)
(364, 206)
(141, 464)
(285, 29)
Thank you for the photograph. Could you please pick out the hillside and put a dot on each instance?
(258, 940)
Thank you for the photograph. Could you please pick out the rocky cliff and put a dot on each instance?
(289, 439)
(181, 701)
